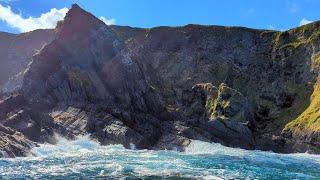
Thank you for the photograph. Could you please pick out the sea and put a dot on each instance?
(84, 158)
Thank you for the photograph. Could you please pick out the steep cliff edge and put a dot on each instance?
(158, 88)
(16, 53)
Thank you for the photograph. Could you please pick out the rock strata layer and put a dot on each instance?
(160, 88)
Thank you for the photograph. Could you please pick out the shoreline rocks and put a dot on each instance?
(159, 88)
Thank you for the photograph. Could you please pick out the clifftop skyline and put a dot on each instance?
(90, 100)
(20, 16)
(163, 87)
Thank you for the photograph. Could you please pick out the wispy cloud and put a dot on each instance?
(7, 1)
(272, 27)
(251, 11)
(305, 21)
(108, 21)
(44, 21)
(293, 7)
(275, 28)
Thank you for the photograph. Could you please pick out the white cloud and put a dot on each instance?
(305, 21)
(108, 21)
(45, 21)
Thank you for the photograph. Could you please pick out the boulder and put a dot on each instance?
(230, 105)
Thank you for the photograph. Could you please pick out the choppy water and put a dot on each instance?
(86, 159)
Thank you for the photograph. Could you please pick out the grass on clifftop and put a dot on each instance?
(298, 36)
(309, 120)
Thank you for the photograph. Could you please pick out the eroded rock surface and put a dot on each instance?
(160, 88)
(16, 53)
(13, 143)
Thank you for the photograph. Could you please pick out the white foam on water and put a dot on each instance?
(84, 145)
(80, 146)
(202, 148)
(201, 160)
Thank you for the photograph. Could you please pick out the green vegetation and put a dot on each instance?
(309, 120)
(210, 106)
(281, 116)
(299, 104)
(316, 59)
(315, 36)
(299, 36)
(304, 112)
(227, 104)
(285, 40)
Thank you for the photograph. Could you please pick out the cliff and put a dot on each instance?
(159, 88)
(16, 51)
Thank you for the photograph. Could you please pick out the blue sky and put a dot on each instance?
(268, 14)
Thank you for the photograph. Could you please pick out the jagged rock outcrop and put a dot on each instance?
(13, 143)
(230, 105)
(159, 88)
(223, 113)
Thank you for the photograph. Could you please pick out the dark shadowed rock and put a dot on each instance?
(160, 88)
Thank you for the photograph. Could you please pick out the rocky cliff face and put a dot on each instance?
(16, 53)
(158, 88)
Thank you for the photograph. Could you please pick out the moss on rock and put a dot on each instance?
(309, 120)
(229, 105)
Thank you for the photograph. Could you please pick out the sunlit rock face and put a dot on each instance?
(13, 143)
(158, 88)
(16, 51)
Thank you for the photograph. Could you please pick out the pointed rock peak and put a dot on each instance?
(76, 9)
(77, 20)
(75, 6)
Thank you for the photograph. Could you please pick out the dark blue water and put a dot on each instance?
(86, 159)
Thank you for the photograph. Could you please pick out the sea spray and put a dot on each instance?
(82, 144)
(86, 158)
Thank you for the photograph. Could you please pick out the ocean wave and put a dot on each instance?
(86, 158)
